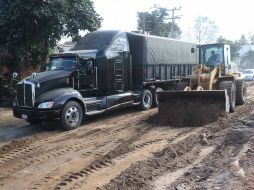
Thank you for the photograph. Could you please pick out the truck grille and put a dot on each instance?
(25, 94)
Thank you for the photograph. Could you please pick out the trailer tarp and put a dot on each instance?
(154, 50)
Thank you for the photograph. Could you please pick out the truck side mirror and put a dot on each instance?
(192, 50)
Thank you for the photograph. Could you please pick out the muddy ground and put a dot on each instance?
(126, 150)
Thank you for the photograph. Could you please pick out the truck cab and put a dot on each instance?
(91, 78)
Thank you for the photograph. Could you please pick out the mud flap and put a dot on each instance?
(191, 108)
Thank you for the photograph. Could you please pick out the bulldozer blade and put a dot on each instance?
(191, 108)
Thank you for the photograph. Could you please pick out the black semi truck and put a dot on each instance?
(105, 70)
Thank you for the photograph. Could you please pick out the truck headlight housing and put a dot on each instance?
(46, 105)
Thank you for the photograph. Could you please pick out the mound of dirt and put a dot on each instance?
(140, 174)
(237, 137)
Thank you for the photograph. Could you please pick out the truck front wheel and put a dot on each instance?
(72, 115)
(146, 100)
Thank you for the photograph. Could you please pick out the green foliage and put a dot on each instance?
(247, 61)
(243, 40)
(155, 23)
(28, 29)
(251, 38)
(235, 47)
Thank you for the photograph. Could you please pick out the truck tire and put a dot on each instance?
(155, 98)
(72, 115)
(146, 100)
(231, 91)
(241, 91)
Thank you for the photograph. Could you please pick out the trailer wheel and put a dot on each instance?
(155, 97)
(241, 91)
(72, 115)
(231, 91)
(146, 100)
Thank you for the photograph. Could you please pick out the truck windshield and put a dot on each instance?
(212, 55)
(62, 63)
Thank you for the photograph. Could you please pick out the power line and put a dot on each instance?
(173, 18)
(172, 32)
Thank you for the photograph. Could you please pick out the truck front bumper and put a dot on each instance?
(36, 114)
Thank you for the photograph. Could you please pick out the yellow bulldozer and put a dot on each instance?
(214, 88)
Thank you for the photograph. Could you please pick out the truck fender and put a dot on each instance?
(60, 97)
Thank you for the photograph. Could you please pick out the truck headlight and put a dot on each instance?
(46, 105)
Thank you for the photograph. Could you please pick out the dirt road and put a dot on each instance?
(126, 150)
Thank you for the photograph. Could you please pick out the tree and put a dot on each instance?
(155, 23)
(28, 29)
(247, 60)
(234, 48)
(251, 38)
(243, 40)
(205, 30)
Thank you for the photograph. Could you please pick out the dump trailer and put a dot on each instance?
(105, 70)
(214, 88)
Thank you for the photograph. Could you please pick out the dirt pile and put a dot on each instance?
(229, 166)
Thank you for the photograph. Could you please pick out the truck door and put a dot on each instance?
(87, 75)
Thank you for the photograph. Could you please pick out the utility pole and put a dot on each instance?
(172, 30)
(143, 23)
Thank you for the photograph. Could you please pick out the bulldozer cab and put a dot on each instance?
(212, 55)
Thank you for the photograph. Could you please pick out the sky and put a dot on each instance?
(234, 18)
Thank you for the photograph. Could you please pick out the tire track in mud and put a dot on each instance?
(179, 152)
(24, 147)
(43, 151)
(102, 171)
(97, 155)
(94, 142)
(107, 122)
